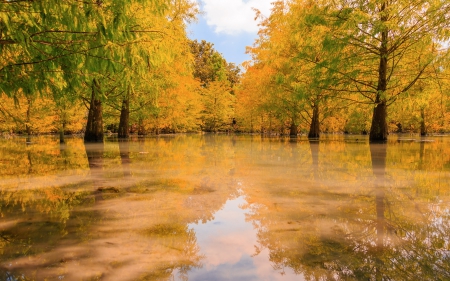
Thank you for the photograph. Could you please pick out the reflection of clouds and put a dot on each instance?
(265, 269)
(227, 238)
(228, 244)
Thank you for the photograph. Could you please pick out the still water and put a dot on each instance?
(217, 207)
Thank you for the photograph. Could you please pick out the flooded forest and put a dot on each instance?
(129, 151)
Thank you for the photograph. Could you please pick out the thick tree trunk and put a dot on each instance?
(379, 130)
(124, 130)
(314, 129)
(293, 130)
(94, 127)
(423, 129)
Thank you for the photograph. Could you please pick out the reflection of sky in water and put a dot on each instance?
(228, 244)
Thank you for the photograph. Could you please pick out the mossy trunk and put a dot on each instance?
(314, 129)
(124, 130)
(94, 127)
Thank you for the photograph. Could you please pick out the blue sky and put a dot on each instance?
(229, 25)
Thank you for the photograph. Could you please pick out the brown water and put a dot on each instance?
(217, 207)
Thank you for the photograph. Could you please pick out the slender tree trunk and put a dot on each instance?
(62, 129)
(293, 130)
(314, 129)
(124, 130)
(379, 130)
(423, 129)
(94, 127)
(28, 121)
(141, 129)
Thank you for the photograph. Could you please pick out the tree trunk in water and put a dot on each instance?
(314, 129)
(378, 130)
(124, 131)
(61, 132)
(141, 129)
(423, 129)
(94, 127)
(293, 130)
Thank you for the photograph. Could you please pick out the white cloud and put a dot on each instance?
(234, 16)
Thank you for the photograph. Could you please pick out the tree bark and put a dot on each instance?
(94, 127)
(314, 129)
(124, 130)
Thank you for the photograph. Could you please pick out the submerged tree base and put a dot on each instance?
(378, 130)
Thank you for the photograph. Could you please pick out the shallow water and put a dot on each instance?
(218, 207)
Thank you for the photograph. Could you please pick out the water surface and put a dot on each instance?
(217, 207)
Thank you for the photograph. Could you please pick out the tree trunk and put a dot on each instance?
(28, 121)
(61, 132)
(94, 127)
(379, 130)
(314, 129)
(141, 129)
(293, 130)
(124, 130)
(423, 129)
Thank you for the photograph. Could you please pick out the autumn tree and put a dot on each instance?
(382, 48)
(217, 79)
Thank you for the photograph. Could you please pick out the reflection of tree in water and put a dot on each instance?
(372, 233)
(124, 147)
(154, 211)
